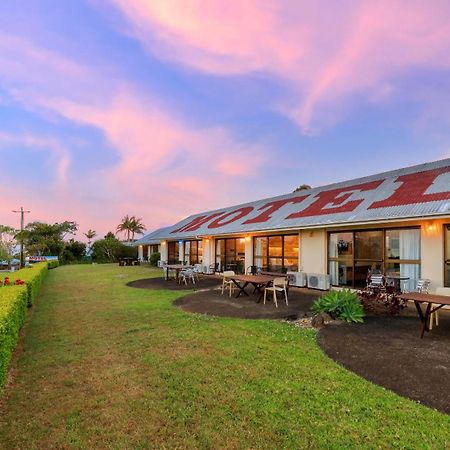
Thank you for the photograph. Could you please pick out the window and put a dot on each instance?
(352, 254)
(193, 252)
(173, 256)
(403, 255)
(276, 253)
(230, 254)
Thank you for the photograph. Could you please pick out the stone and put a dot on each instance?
(319, 320)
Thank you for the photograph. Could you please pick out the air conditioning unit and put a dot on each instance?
(297, 278)
(318, 281)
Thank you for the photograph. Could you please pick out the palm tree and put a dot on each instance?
(89, 236)
(136, 226)
(125, 226)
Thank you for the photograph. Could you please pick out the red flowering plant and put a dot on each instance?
(6, 282)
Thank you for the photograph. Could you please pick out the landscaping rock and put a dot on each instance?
(320, 320)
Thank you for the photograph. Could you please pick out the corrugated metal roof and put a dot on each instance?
(153, 238)
(413, 192)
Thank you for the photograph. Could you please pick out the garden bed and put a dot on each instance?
(388, 351)
(213, 303)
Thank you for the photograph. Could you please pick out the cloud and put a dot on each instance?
(163, 166)
(326, 52)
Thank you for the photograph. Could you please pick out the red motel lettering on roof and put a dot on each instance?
(334, 197)
(196, 223)
(238, 213)
(273, 207)
(412, 190)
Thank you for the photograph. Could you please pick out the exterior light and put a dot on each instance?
(431, 228)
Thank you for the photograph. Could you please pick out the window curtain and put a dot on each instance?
(334, 273)
(410, 249)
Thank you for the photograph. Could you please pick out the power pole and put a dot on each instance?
(22, 224)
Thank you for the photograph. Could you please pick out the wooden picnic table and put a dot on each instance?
(257, 281)
(418, 298)
(177, 268)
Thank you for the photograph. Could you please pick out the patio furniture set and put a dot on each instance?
(184, 273)
(262, 283)
(273, 283)
(391, 285)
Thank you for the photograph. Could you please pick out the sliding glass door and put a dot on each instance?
(352, 254)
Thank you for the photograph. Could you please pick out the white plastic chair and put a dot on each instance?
(198, 269)
(228, 283)
(422, 285)
(278, 285)
(186, 275)
(434, 317)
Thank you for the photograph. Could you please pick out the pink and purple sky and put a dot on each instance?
(164, 108)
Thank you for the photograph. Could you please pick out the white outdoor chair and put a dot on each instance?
(186, 275)
(434, 317)
(228, 283)
(375, 280)
(198, 269)
(422, 285)
(278, 285)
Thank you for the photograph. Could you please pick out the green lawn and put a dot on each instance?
(102, 365)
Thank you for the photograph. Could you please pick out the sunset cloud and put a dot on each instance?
(327, 53)
(154, 148)
(164, 108)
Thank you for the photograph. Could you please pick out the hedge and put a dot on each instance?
(33, 277)
(14, 300)
(53, 264)
(13, 307)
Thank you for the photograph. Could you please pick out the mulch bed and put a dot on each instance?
(389, 352)
(206, 282)
(213, 303)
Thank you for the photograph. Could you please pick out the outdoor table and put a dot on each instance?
(177, 268)
(257, 281)
(396, 281)
(418, 298)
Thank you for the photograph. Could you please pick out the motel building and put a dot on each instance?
(397, 221)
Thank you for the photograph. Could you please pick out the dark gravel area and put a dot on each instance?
(206, 282)
(389, 352)
(214, 303)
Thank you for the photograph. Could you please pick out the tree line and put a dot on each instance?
(45, 239)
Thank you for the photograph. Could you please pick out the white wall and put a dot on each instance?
(164, 251)
(140, 252)
(208, 253)
(432, 252)
(313, 251)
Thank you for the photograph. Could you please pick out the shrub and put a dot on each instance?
(53, 264)
(343, 305)
(382, 301)
(33, 277)
(111, 250)
(13, 306)
(154, 258)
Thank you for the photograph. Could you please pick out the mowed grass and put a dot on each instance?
(103, 365)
